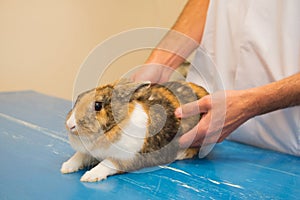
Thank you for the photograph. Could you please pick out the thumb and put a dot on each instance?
(193, 108)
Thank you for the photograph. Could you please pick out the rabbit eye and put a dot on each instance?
(98, 106)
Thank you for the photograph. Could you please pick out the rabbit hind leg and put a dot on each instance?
(187, 153)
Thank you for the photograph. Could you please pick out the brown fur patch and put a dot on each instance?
(200, 91)
(191, 152)
(114, 134)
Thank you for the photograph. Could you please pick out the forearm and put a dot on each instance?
(274, 96)
(184, 36)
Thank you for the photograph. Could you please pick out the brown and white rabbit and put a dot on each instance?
(127, 126)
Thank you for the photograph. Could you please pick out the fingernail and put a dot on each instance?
(178, 112)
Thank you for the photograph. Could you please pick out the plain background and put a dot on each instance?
(44, 42)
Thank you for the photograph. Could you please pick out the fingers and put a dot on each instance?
(202, 134)
(199, 137)
(189, 138)
(144, 77)
(193, 108)
(154, 72)
(195, 136)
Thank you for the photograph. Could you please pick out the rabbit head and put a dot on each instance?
(100, 109)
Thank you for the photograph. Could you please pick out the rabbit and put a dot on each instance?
(126, 126)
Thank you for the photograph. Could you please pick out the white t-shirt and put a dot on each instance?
(246, 44)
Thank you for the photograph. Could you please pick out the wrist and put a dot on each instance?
(249, 102)
(164, 58)
(262, 100)
(253, 98)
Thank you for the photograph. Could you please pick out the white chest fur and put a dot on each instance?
(131, 141)
(132, 137)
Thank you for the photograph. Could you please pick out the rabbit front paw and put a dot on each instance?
(93, 176)
(69, 167)
(99, 172)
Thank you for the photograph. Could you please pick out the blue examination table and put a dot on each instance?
(34, 144)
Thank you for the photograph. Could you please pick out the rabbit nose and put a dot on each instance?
(71, 122)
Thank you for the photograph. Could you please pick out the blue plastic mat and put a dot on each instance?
(34, 144)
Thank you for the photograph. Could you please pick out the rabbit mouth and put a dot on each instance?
(73, 130)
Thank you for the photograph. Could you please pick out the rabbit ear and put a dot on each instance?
(124, 89)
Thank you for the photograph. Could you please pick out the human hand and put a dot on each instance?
(222, 113)
(155, 73)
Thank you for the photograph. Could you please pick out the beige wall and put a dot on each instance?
(44, 42)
